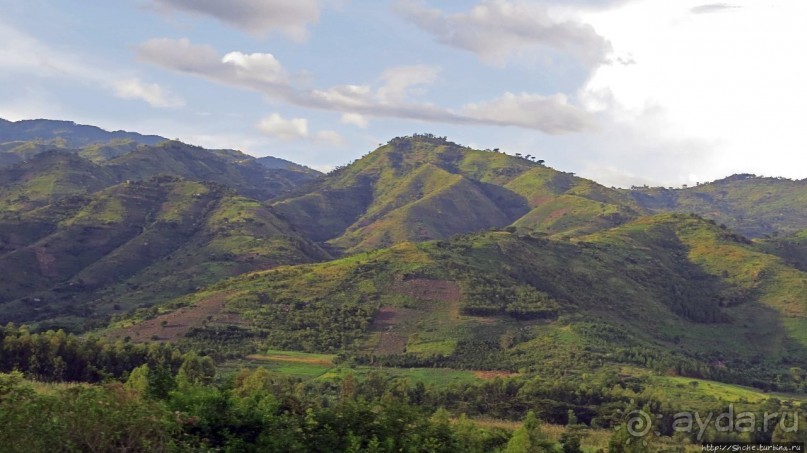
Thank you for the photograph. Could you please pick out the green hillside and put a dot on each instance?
(754, 206)
(674, 293)
(48, 177)
(425, 187)
(227, 167)
(135, 243)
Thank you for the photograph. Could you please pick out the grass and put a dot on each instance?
(439, 377)
(320, 366)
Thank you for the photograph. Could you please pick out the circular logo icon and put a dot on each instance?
(639, 423)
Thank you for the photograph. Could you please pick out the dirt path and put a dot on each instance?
(292, 359)
(494, 374)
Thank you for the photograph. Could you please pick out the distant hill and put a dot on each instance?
(751, 205)
(68, 133)
(424, 187)
(276, 163)
(50, 175)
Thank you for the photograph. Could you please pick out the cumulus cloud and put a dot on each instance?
(390, 97)
(151, 93)
(276, 126)
(497, 29)
(262, 67)
(253, 16)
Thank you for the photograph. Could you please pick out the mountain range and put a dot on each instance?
(421, 253)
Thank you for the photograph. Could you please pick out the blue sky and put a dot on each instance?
(621, 91)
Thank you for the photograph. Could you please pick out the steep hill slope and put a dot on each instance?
(751, 205)
(425, 187)
(673, 293)
(135, 243)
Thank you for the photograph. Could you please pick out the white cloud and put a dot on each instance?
(152, 93)
(709, 94)
(258, 71)
(27, 55)
(331, 138)
(276, 126)
(713, 8)
(253, 16)
(497, 29)
(550, 114)
(259, 66)
(181, 55)
(21, 52)
(389, 99)
(342, 96)
(355, 119)
(399, 81)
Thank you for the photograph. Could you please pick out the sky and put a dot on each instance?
(625, 92)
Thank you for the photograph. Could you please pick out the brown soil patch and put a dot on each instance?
(436, 290)
(46, 262)
(555, 215)
(393, 337)
(285, 358)
(439, 290)
(174, 325)
(538, 200)
(494, 374)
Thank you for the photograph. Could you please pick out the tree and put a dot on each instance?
(529, 438)
(139, 380)
(571, 439)
(196, 370)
